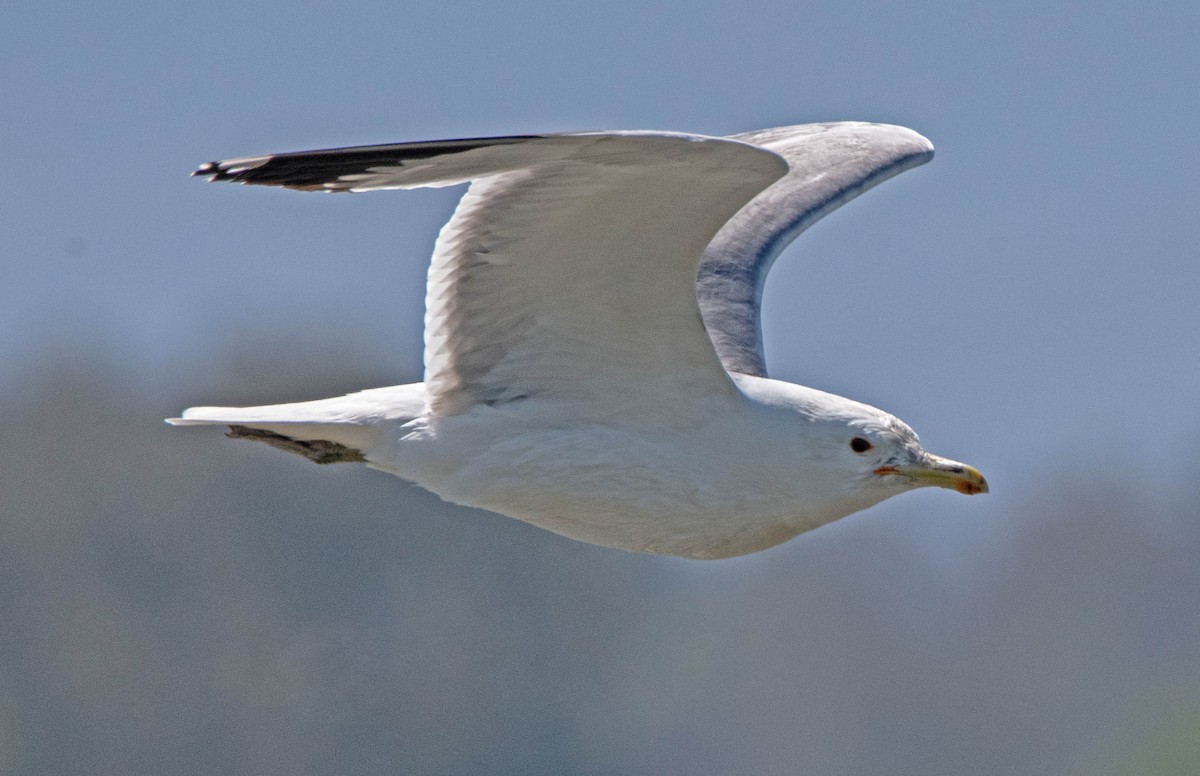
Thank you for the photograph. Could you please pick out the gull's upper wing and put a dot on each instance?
(568, 270)
(829, 165)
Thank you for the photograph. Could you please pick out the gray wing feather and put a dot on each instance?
(568, 269)
(829, 165)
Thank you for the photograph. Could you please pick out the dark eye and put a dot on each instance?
(860, 445)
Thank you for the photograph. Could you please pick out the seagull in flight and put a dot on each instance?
(593, 352)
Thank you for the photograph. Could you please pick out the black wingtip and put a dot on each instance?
(323, 170)
(208, 168)
(241, 170)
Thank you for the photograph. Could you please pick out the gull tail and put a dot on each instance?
(338, 430)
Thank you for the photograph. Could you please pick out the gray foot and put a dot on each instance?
(317, 451)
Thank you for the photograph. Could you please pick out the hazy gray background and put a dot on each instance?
(171, 602)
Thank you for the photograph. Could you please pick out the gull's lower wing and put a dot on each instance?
(568, 269)
(829, 165)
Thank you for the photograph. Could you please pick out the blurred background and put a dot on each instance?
(173, 602)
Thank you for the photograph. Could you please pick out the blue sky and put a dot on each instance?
(1027, 301)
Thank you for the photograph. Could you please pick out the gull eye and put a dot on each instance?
(860, 445)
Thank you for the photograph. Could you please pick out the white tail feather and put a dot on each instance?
(352, 420)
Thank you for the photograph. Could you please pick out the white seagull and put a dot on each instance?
(593, 352)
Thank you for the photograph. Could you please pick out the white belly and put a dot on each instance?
(700, 490)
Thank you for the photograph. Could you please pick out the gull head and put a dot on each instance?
(856, 454)
(890, 456)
